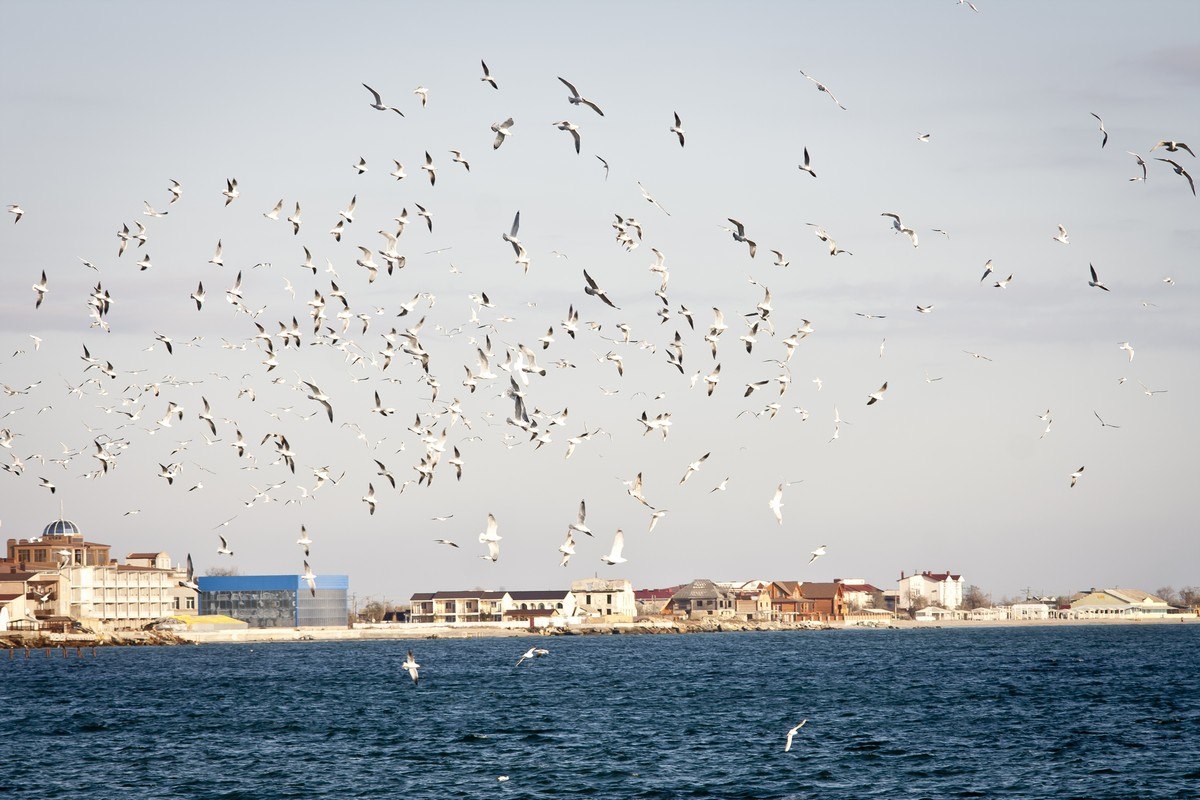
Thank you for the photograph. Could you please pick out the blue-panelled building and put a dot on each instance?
(277, 601)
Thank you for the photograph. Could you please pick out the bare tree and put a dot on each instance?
(1189, 597)
(1168, 593)
(374, 610)
(222, 572)
(974, 597)
(916, 601)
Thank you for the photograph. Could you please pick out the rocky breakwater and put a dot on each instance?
(704, 625)
(33, 640)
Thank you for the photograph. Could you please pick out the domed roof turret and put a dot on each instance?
(61, 527)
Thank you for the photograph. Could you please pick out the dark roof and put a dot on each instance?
(4, 598)
(540, 595)
(701, 588)
(22, 577)
(821, 591)
(655, 594)
(463, 594)
(940, 576)
(531, 612)
(861, 587)
(145, 555)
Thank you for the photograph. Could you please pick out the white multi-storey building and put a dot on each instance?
(600, 597)
(941, 589)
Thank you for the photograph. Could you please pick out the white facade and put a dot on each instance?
(1107, 603)
(939, 589)
(600, 597)
(121, 597)
(1029, 611)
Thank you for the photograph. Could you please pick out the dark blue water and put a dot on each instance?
(1083, 712)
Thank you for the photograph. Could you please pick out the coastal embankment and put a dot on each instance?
(365, 632)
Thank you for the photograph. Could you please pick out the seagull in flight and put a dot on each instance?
(820, 551)
(378, 102)
(1104, 424)
(807, 165)
(1141, 163)
(876, 396)
(614, 554)
(651, 200)
(1062, 235)
(823, 88)
(411, 666)
(532, 653)
(792, 734)
(1173, 147)
(739, 235)
(1103, 141)
(677, 129)
(1096, 281)
(577, 99)
(1126, 346)
(776, 504)
(1180, 171)
(594, 289)
(1075, 476)
(573, 129)
(224, 548)
(487, 75)
(502, 131)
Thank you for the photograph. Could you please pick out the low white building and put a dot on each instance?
(858, 593)
(1029, 611)
(994, 614)
(942, 589)
(937, 614)
(602, 597)
(1107, 603)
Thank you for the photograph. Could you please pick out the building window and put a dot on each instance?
(588, 599)
(191, 603)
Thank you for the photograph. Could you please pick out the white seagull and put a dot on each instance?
(614, 554)
(577, 99)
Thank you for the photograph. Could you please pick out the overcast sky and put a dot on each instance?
(105, 105)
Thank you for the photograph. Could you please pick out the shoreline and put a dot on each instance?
(384, 631)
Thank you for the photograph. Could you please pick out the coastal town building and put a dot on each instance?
(277, 601)
(701, 598)
(1132, 603)
(486, 605)
(557, 602)
(62, 576)
(788, 603)
(942, 589)
(651, 602)
(613, 600)
(468, 605)
(60, 543)
(829, 600)
(859, 594)
(1029, 611)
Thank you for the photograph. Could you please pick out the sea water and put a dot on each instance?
(1101, 711)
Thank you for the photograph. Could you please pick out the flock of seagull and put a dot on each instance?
(332, 314)
(351, 325)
